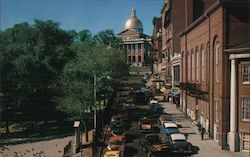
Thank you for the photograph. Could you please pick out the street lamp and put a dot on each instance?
(95, 118)
(95, 83)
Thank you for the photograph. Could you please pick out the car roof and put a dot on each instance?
(168, 125)
(153, 101)
(108, 153)
(178, 137)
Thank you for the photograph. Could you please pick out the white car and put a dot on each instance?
(153, 103)
(179, 144)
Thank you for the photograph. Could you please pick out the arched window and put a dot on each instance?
(217, 54)
(197, 64)
(207, 78)
(133, 59)
(202, 64)
(193, 65)
(139, 58)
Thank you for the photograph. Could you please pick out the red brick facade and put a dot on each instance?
(205, 67)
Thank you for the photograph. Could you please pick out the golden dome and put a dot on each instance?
(133, 22)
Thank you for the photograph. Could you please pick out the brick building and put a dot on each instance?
(157, 46)
(215, 69)
(167, 59)
(136, 44)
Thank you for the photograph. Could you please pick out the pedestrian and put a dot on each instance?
(203, 130)
(199, 126)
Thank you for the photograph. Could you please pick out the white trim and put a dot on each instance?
(234, 56)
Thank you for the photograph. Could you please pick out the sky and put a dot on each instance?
(95, 15)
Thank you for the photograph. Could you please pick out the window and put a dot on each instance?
(216, 50)
(246, 141)
(139, 47)
(133, 59)
(197, 65)
(246, 73)
(129, 59)
(193, 65)
(207, 64)
(139, 58)
(245, 108)
(183, 67)
(189, 67)
(202, 64)
(217, 110)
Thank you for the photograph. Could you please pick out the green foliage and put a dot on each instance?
(78, 74)
(107, 38)
(44, 68)
(85, 35)
(32, 60)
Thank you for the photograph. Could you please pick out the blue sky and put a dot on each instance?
(95, 15)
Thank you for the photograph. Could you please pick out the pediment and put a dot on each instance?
(128, 32)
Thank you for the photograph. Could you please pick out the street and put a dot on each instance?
(205, 148)
(200, 148)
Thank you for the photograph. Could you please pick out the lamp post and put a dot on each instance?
(95, 116)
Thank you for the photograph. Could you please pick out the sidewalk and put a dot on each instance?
(205, 148)
(86, 151)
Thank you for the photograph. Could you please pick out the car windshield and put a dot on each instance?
(179, 141)
(116, 143)
(173, 130)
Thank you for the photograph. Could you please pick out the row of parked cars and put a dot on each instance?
(116, 130)
(161, 133)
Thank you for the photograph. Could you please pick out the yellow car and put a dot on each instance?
(113, 154)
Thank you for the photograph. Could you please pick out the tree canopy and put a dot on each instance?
(46, 68)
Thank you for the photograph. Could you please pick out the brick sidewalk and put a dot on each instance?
(207, 147)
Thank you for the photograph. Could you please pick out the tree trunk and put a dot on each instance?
(7, 131)
(86, 131)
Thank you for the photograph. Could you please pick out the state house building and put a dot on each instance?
(136, 44)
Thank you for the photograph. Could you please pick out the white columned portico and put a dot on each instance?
(233, 136)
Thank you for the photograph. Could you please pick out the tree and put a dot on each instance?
(85, 35)
(107, 38)
(32, 60)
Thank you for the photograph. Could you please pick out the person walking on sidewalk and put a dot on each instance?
(203, 130)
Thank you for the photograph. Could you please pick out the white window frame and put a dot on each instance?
(245, 108)
(245, 73)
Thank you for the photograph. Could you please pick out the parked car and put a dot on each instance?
(130, 106)
(164, 118)
(173, 93)
(113, 154)
(168, 129)
(118, 130)
(153, 103)
(149, 125)
(158, 110)
(116, 143)
(176, 99)
(153, 142)
(179, 144)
